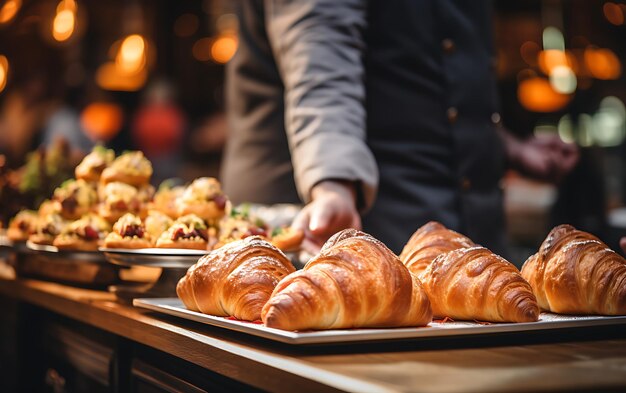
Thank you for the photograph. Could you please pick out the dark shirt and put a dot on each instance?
(318, 87)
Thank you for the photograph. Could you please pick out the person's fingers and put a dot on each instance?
(301, 221)
(321, 218)
(310, 246)
(356, 222)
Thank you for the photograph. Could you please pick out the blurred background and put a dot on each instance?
(149, 75)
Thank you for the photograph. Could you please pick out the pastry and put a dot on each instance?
(238, 225)
(427, 243)
(188, 231)
(128, 232)
(204, 198)
(48, 228)
(156, 223)
(287, 238)
(91, 167)
(85, 234)
(48, 207)
(576, 273)
(22, 225)
(165, 200)
(235, 280)
(475, 284)
(355, 281)
(121, 198)
(130, 168)
(75, 198)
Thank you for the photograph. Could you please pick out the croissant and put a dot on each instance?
(427, 243)
(355, 281)
(476, 284)
(235, 280)
(576, 273)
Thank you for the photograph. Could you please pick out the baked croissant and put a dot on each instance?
(476, 284)
(427, 243)
(576, 273)
(235, 280)
(355, 281)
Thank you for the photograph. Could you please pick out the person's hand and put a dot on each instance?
(544, 157)
(622, 244)
(332, 208)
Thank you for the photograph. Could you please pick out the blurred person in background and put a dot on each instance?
(358, 107)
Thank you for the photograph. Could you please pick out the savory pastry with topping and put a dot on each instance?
(128, 232)
(239, 225)
(188, 231)
(48, 207)
(22, 225)
(204, 198)
(156, 223)
(131, 168)
(75, 198)
(165, 199)
(91, 167)
(121, 198)
(287, 238)
(48, 228)
(85, 234)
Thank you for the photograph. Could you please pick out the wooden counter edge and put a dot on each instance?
(259, 368)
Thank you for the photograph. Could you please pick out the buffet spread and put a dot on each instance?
(354, 289)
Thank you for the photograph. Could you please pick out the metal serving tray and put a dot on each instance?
(547, 321)
(66, 255)
(172, 258)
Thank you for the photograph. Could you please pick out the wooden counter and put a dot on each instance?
(583, 360)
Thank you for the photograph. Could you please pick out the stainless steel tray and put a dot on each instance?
(547, 321)
(169, 258)
(67, 255)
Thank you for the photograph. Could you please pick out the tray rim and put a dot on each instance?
(155, 252)
(90, 256)
(348, 336)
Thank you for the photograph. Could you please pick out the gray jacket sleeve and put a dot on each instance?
(318, 46)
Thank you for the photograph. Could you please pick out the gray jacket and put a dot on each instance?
(398, 96)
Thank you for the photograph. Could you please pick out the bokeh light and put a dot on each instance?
(614, 13)
(563, 79)
(529, 52)
(131, 57)
(102, 120)
(223, 48)
(537, 95)
(9, 10)
(201, 49)
(4, 72)
(64, 22)
(602, 63)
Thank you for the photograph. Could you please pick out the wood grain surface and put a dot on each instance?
(578, 360)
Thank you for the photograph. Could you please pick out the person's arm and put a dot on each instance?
(318, 46)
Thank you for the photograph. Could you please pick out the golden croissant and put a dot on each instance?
(576, 273)
(235, 280)
(476, 284)
(427, 243)
(355, 281)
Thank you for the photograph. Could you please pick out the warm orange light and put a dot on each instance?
(4, 70)
(201, 49)
(552, 58)
(602, 63)
(529, 51)
(109, 77)
(223, 48)
(102, 121)
(614, 13)
(536, 95)
(131, 57)
(63, 25)
(9, 10)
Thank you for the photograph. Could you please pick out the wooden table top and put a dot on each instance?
(581, 360)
